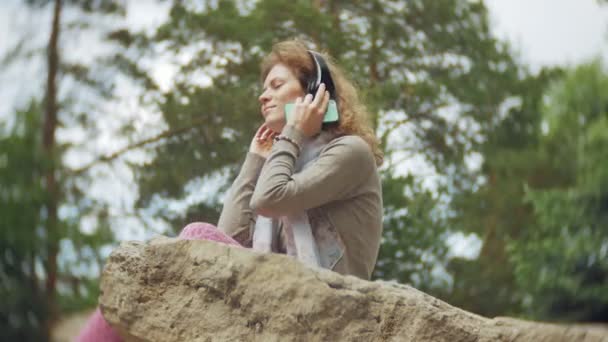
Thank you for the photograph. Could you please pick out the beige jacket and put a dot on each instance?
(341, 192)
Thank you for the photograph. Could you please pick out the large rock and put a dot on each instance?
(180, 290)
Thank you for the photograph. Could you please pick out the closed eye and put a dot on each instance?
(275, 84)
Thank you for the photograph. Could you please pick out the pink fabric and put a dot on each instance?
(98, 330)
(206, 231)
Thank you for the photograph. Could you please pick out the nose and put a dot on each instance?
(264, 97)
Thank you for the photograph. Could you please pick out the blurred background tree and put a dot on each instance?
(510, 156)
(42, 202)
(24, 305)
(542, 208)
(495, 209)
(561, 261)
(432, 93)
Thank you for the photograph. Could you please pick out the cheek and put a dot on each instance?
(277, 112)
(291, 94)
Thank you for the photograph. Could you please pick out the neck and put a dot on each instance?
(311, 147)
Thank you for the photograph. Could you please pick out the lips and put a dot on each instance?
(265, 109)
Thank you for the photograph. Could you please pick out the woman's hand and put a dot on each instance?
(262, 141)
(308, 112)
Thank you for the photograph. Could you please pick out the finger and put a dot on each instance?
(326, 98)
(261, 128)
(319, 95)
(261, 131)
(267, 134)
(298, 100)
(308, 99)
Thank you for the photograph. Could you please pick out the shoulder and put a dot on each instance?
(353, 143)
(352, 149)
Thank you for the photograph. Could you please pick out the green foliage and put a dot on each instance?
(493, 207)
(32, 242)
(438, 85)
(23, 309)
(561, 262)
(25, 242)
(412, 246)
(540, 206)
(414, 61)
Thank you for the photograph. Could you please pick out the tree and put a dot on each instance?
(431, 71)
(493, 207)
(413, 245)
(36, 264)
(561, 261)
(22, 234)
(54, 232)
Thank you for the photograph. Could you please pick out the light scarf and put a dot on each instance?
(300, 241)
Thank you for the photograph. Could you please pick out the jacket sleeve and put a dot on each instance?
(339, 170)
(237, 219)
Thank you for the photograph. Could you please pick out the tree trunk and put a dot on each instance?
(48, 145)
(374, 75)
(336, 49)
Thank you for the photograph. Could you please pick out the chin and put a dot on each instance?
(275, 122)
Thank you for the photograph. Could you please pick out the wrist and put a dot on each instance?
(295, 133)
(289, 140)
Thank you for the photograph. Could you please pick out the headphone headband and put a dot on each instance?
(322, 76)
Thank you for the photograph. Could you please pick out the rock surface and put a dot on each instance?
(180, 290)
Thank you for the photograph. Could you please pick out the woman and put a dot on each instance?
(339, 190)
(301, 175)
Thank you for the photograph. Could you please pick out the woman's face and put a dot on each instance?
(281, 86)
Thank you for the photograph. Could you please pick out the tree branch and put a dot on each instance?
(118, 153)
(396, 124)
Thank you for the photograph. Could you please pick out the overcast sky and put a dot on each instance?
(549, 32)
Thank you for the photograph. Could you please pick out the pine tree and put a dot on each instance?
(35, 232)
(561, 262)
(432, 73)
